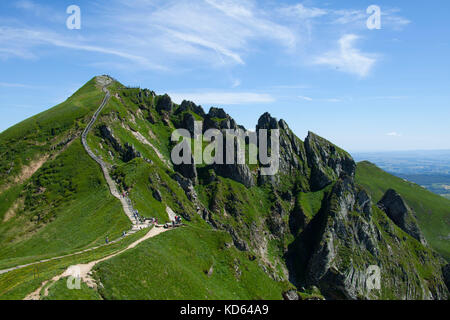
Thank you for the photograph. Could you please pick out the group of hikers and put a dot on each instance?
(136, 216)
(175, 223)
(154, 221)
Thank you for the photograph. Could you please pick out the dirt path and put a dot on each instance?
(64, 256)
(84, 270)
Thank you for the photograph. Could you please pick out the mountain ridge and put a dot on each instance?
(296, 225)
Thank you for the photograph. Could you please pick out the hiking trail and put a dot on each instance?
(105, 81)
(84, 271)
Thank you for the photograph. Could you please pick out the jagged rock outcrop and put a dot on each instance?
(399, 212)
(217, 113)
(327, 161)
(188, 123)
(291, 295)
(187, 185)
(107, 134)
(266, 121)
(164, 103)
(217, 118)
(190, 106)
(342, 231)
(127, 152)
(351, 243)
(293, 161)
(157, 195)
(275, 222)
(188, 171)
(363, 202)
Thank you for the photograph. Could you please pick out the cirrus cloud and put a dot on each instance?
(347, 58)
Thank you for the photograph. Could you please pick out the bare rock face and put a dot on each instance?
(399, 212)
(186, 185)
(237, 172)
(364, 202)
(327, 161)
(187, 170)
(188, 123)
(275, 221)
(127, 152)
(108, 135)
(291, 295)
(446, 274)
(157, 195)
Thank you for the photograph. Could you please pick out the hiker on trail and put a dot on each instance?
(123, 234)
(107, 240)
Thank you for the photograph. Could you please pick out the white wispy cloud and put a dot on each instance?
(13, 85)
(394, 134)
(207, 31)
(390, 17)
(222, 98)
(22, 41)
(347, 58)
(332, 100)
(305, 98)
(300, 11)
(236, 83)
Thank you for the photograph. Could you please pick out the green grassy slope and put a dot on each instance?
(17, 284)
(65, 205)
(59, 291)
(76, 211)
(433, 211)
(190, 261)
(35, 136)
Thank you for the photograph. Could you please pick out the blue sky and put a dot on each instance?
(313, 63)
